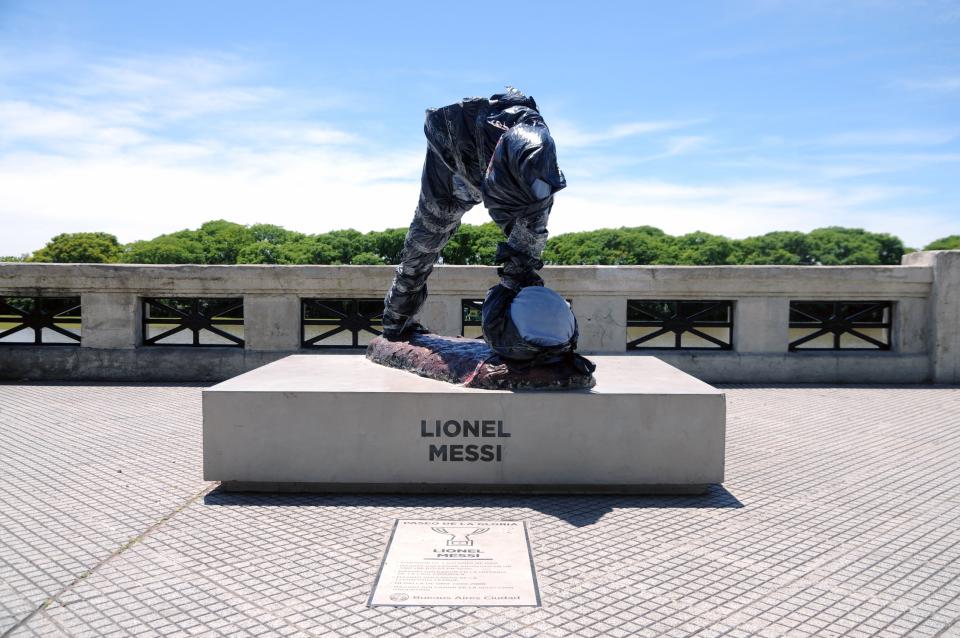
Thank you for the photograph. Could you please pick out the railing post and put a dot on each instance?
(761, 324)
(910, 326)
(110, 320)
(602, 322)
(442, 314)
(943, 315)
(271, 322)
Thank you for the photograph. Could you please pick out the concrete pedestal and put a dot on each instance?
(342, 423)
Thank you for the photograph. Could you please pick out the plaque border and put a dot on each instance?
(393, 531)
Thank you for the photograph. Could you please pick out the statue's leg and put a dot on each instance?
(519, 256)
(518, 191)
(444, 198)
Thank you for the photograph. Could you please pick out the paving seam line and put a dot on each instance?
(950, 625)
(117, 552)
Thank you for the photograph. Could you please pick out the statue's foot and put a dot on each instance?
(405, 334)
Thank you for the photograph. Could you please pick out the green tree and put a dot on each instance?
(177, 248)
(388, 244)
(890, 249)
(312, 249)
(366, 258)
(13, 258)
(702, 249)
(261, 252)
(607, 246)
(835, 245)
(951, 242)
(346, 243)
(473, 245)
(267, 245)
(222, 241)
(789, 248)
(273, 234)
(79, 248)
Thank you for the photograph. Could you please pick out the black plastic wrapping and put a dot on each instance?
(501, 334)
(497, 151)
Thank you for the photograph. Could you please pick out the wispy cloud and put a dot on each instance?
(23, 122)
(838, 166)
(576, 137)
(111, 105)
(148, 145)
(741, 209)
(894, 137)
(685, 144)
(144, 146)
(139, 147)
(942, 84)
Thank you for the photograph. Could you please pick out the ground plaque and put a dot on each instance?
(457, 563)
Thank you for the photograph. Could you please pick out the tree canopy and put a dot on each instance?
(225, 242)
(79, 248)
(944, 243)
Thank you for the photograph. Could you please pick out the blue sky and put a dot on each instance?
(735, 118)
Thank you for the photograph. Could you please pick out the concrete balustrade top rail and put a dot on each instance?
(741, 281)
(923, 293)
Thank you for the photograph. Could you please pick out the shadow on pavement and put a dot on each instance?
(578, 510)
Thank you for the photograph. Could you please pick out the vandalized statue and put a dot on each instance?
(497, 151)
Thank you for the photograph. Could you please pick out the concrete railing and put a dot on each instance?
(924, 337)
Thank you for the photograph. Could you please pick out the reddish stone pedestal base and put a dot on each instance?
(471, 363)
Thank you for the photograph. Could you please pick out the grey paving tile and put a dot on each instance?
(840, 517)
(84, 470)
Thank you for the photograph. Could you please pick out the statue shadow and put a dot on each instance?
(579, 510)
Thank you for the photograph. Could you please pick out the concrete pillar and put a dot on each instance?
(110, 320)
(943, 314)
(602, 322)
(271, 322)
(442, 314)
(761, 324)
(910, 326)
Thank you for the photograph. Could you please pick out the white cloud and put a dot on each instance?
(148, 146)
(324, 189)
(173, 88)
(113, 151)
(143, 196)
(109, 106)
(681, 145)
(942, 84)
(894, 137)
(22, 122)
(286, 134)
(741, 209)
(575, 137)
(843, 165)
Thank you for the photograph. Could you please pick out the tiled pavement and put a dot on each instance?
(840, 516)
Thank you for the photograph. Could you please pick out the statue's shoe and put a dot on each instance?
(408, 333)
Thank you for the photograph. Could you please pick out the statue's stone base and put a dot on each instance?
(471, 362)
(342, 423)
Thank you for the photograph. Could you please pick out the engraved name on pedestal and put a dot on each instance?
(457, 563)
(466, 429)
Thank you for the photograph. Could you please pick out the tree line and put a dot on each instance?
(224, 242)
